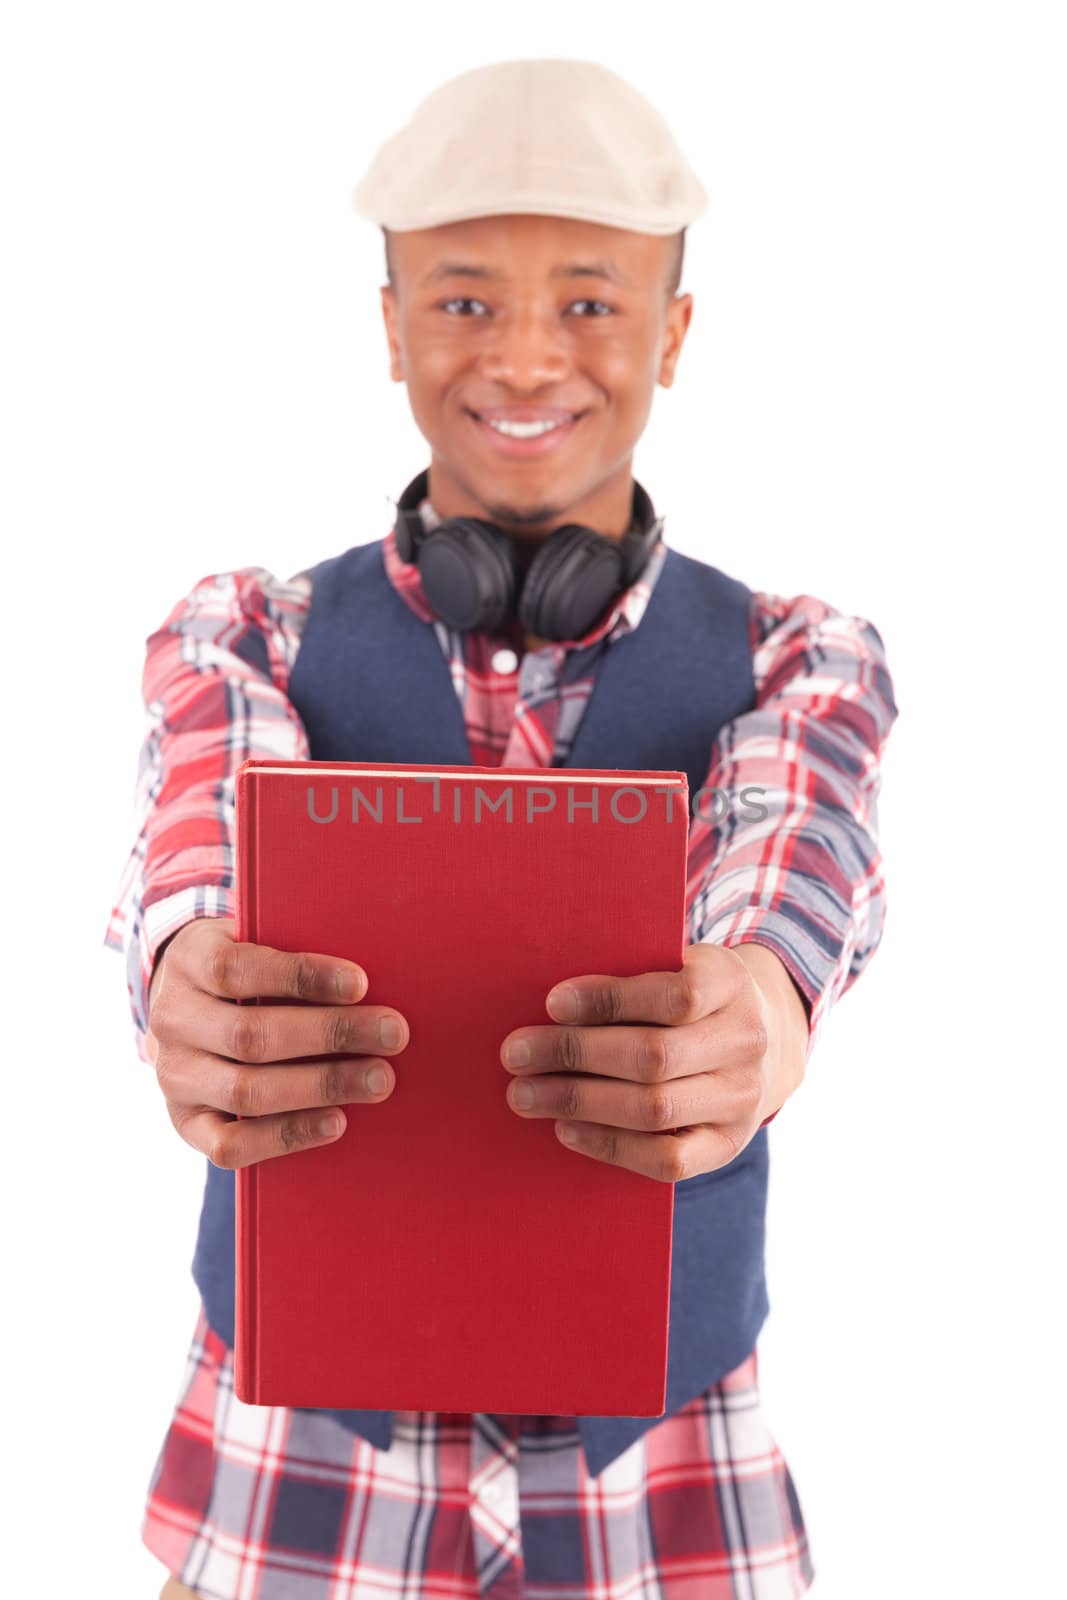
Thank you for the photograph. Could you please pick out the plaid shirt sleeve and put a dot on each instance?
(214, 688)
(805, 879)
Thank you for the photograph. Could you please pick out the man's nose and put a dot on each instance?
(526, 347)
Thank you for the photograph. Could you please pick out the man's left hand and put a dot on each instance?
(669, 1074)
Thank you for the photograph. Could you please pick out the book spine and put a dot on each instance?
(246, 1191)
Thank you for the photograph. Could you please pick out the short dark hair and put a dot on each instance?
(674, 267)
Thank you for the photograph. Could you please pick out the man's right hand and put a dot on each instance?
(226, 1070)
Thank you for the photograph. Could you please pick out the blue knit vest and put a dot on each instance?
(370, 683)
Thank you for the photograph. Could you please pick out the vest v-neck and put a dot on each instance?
(371, 676)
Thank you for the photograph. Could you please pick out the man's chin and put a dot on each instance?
(524, 521)
(521, 498)
(526, 515)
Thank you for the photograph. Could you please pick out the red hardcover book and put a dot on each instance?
(446, 1254)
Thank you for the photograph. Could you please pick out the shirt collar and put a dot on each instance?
(624, 615)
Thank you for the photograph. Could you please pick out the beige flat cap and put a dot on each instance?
(558, 137)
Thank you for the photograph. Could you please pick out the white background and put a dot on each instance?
(869, 407)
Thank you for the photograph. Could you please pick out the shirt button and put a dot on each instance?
(504, 661)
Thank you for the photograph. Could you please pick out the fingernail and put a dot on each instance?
(378, 1080)
(517, 1053)
(563, 1003)
(348, 984)
(522, 1096)
(390, 1032)
(329, 1125)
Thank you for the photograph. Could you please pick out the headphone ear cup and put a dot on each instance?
(570, 582)
(469, 573)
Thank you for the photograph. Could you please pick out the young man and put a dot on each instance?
(534, 216)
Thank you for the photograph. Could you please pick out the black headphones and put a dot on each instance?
(472, 576)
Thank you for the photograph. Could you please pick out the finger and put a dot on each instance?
(710, 976)
(237, 970)
(262, 1033)
(193, 1079)
(671, 1158)
(231, 1143)
(645, 1108)
(726, 1039)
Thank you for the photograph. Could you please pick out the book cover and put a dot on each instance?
(444, 1253)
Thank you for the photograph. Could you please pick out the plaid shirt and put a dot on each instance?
(271, 1503)
(288, 1503)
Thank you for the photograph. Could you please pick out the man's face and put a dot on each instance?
(524, 318)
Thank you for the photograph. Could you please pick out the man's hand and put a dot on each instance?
(232, 1090)
(709, 1051)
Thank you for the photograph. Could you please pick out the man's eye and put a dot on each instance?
(599, 303)
(462, 300)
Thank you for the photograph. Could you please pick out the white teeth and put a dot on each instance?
(524, 430)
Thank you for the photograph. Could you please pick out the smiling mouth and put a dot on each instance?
(526, 430)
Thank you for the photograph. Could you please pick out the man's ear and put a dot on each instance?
(389, 316)
(679, 315)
